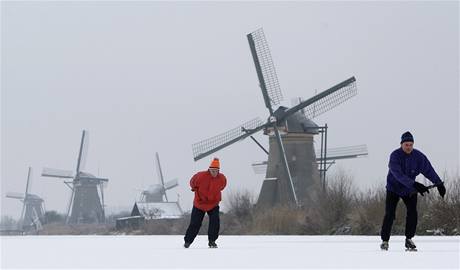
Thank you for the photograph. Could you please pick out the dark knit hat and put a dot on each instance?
(407, 137)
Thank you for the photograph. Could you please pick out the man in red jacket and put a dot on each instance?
(208, 186)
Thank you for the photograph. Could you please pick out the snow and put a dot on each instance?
(236, 252)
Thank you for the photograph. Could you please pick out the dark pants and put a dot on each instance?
(391, 202)
(195, 224)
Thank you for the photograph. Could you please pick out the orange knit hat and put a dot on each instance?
(215, 163)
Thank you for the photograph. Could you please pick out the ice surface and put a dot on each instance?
(237, 252)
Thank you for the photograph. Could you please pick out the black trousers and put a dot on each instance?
(195, 224)
(391, 202)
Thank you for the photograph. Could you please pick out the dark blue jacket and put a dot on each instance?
(403, 168)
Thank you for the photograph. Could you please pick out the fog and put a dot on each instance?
(150, 77)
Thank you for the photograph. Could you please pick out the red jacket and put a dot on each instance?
(207, 189)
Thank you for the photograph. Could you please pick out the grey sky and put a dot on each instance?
(156, 76)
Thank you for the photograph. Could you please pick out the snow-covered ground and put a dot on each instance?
(435, 252)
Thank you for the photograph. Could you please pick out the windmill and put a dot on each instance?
(154, 202)
(157, 192)
(292, 176)
(33, 210)
(85, 205)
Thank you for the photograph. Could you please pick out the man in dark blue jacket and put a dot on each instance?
(405, 164)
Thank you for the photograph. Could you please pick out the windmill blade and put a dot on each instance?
(94, 179)
(160, 174)
(43, 209)
(260, 167)
(24, 202)
(83, 152)
(346, 152)
(285, 162)
(29, 176)
(206, 147)
(325, 100)
(265, 69)
(36, 220)
(57, 173)
(171, 184)
(101, 188)
(69, 206)
(15, 195)
(159, 171)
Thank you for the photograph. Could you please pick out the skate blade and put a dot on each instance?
(411, 249)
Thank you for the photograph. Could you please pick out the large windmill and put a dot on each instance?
(292, 176)
(33, 210)
(85, 205)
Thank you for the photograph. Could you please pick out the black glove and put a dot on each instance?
(421, 188)
(441, 189)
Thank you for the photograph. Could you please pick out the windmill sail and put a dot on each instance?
(26, 193)
(206, 147)
(84, 144)
(15, 195)
(345, 152)
(265, 68)
(271, 92)
(325, 100)
(49, 172)
(171, 184)
(160, 175)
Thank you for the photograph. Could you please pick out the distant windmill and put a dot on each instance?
(33, 210)
(85, 205)
(154, 203)
(157, 192)
(292, 177)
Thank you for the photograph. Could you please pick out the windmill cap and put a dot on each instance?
(215, 163)
(407, 137)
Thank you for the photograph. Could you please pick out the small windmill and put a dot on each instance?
(33, 210)
(154, 202)
(157, 192)
(85, 205)
(292, 175)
